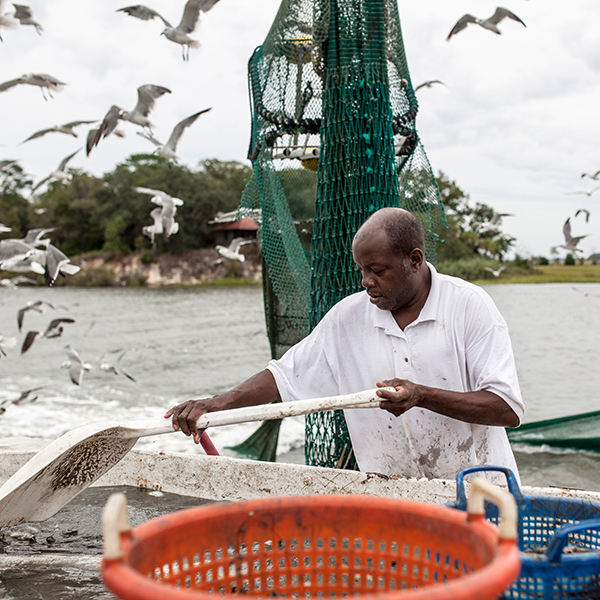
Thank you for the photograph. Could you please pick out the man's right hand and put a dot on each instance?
(186, 415)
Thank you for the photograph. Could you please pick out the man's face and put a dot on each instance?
(387, 277)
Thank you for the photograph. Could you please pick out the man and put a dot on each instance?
(438, 340)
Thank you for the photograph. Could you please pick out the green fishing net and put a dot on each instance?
(331, 100)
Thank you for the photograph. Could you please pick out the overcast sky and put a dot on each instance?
(515, 126)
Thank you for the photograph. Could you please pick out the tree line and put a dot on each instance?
(92, 214)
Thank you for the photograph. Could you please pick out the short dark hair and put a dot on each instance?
(404, 231)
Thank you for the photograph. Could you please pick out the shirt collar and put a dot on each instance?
(429, 312)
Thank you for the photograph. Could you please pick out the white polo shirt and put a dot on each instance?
(458, 342)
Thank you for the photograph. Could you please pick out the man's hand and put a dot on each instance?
(407, 395)
(186, 415)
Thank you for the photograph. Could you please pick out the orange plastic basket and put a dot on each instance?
(308, 547)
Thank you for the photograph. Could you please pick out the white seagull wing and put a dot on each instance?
(501, 13)
(189, 19)
(179, 128)
(147, 94)
(139, 11)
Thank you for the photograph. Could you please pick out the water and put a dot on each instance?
(195, 342)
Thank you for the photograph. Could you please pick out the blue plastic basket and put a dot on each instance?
(559, 539)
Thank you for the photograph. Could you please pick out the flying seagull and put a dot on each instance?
(233, 250)
(168, 150)
(428, 84)
(587, 214)
(66, 128)
(75, 364)
(179, 34)
(491, 23)
(4, 228)
(54, 329)
(24, 398)
(24, 15)
(147, 94)
(108, 367)
(38, 306)
(570, 241)
(495, 272)
(595, 176)
(57, 263)
(43, 81)
(168, 225)
(13, 282)
(588, 193)
(12, 253)
(60, 172)
(24, 255)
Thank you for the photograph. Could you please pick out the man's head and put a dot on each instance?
(389, 250)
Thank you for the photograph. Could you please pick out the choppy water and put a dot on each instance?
(193, 342)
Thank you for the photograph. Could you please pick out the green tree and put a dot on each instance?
(471, 231)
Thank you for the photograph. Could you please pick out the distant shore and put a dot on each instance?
(207, 268)
(553, 273)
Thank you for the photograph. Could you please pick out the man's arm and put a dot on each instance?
(258, 389)
(481, 407)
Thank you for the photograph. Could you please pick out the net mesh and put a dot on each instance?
(331, 95)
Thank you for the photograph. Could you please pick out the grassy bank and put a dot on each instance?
(587, 273)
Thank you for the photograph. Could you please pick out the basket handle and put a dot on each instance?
(507, 507)
(561, 536)
(511, 481)
(114, 522)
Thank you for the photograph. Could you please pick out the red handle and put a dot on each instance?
(207, 444)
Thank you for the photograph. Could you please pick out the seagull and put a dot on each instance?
(428, 84)
(54, 329)
(66, 128)
(147, 95)
(40, 79)
(168, 205)
(35, 237)
(60, 172)
(75, 364)
(6, 342)
(233, 250)
(587, 214)
(112, 368)
(13, 282)
(595, 176)
(178, 34)
(24, 255)
(151, 230)
(4, 228)
(38, 306)
(495, 272)
(12, 253)
(24, 15)
(491, 23)
(24, 398)
(571, 242)
(57, 263)
(589, 193)
(168, 150)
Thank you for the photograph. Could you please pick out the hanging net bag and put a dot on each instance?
(334, 114)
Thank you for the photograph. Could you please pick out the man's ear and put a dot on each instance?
(417, 258)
